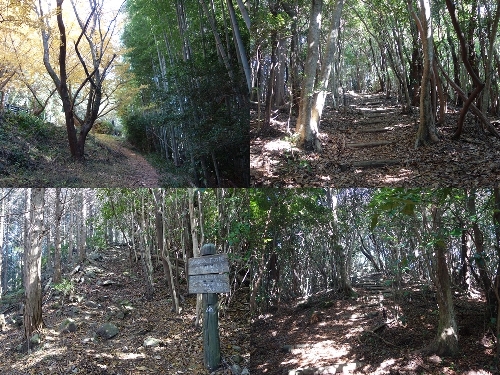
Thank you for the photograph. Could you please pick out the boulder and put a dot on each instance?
(152, 342)
(35, 339)
(107, 331)
(236, 370)
(95, 256)
(67, 325)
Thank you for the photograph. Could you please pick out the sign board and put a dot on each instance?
(214, 283)
(208, 274)
(208, 264)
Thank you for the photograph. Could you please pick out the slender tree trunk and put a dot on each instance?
(307, 130)
(426, 132)
(489, 59)
(446, 341)
(33, 265)
(57, 237)
(146, 253)
(326, 67)
(2, 231)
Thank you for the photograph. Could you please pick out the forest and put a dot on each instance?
(94, 281)
(378, 281)
(169, 80)
(375, 93)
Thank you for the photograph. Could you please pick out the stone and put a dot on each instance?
(245, 371)
(95, 256)
(237, 358)
(107, 282)
(35, 339)
(236, 370)
(107, 331)
(92, 304)
(236, 348)
(67, 325)
(152, 342)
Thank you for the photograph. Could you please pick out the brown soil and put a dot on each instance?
(369, 142)
(110, 291)
(376, 336)
(135, 171)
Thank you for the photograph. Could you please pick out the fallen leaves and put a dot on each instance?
(372, 147)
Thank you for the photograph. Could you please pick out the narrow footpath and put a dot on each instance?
(369, 142)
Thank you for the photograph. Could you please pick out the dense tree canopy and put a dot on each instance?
(426, 53)
(190, 68)
(305, 241)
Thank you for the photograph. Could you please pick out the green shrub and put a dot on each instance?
(103, 127)
(65, 287)
(31, 125)
(135, 126)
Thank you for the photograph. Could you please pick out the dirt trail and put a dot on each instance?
(135, 170)
(375, 333)
(371, 143)
(151, 339)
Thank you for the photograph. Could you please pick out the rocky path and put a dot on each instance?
(104, 325)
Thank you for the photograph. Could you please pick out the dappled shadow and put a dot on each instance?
(373, 333)
(372, 146)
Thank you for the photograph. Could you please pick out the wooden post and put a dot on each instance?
(211, 340)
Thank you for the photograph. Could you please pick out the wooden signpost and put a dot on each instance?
(208, 275)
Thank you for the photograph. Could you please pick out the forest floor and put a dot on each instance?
(39, 156)
(370, 143)
(107, 290)
(371, 334)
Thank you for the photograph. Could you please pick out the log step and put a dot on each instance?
(369, 144)
(369, 164)
(376, 130)
(343, 368)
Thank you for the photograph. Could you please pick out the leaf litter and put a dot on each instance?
(371, 143)
(178, 348)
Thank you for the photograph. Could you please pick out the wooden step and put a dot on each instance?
(342, 368)
(369, 163)
(376, 130)
(369, 144)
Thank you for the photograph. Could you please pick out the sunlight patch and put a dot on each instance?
(130, 355)
(279, 145)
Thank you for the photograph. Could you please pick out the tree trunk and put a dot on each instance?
(82, 230)
(308, 132)
(146, 253)
(464, 51)
(446, 341)
(319, 96)
(427, 128)
(2, 230)
(57, 237)
(33, 265)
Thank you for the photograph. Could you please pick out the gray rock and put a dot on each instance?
(152, 342)
(35, 339)
(236, 370)
(245, 371)
(107, 331)
(92, 304)
(236, 348)
(237, 358)
(95, 256)
(67, 325)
